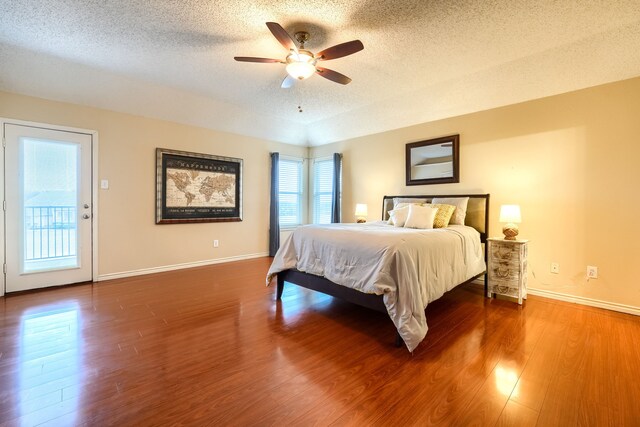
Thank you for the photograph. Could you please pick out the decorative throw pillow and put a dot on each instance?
(399, 216)
(443, 216)
(461, 207)
(420, 216)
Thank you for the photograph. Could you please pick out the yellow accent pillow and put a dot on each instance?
(443, 216)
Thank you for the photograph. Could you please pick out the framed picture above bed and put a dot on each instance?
(433, 161)
(194, 187)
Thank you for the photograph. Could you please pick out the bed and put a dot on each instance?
(390, 269)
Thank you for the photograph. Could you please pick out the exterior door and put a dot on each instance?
(48, 184)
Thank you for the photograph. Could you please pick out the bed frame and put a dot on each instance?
(477, 217)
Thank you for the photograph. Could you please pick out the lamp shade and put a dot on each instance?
(510, 213)
(361, 209)
(300, 70)
(300, 65)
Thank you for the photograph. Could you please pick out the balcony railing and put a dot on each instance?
(50, 232)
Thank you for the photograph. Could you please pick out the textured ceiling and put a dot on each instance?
(423, 60)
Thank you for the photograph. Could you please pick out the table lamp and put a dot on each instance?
(510, 214)
(361, 212)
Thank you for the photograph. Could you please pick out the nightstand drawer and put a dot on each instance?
(507, 264)
(504, 288)
(507, 252)
(504, 271)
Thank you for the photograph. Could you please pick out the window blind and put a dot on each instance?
(290, 192)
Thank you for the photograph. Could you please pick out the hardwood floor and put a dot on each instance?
(210, 346)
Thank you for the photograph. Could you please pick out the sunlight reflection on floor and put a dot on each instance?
(50, 364)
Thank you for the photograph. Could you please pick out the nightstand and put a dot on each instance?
(507, 269)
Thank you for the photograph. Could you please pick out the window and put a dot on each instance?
(322, 190)
(291, 195)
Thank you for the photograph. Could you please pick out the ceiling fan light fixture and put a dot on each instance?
(300, 70)
(301, 65)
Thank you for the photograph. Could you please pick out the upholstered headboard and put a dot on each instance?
(477, 210)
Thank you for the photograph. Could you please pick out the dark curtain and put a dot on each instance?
(335, 192)
(274, 211)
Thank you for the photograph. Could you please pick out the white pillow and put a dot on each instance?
(406, 200)
(401, 205)
(420, 216)
(461, 207)
(399, 216)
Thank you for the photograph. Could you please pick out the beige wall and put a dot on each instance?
(129, 239)
(571, 161)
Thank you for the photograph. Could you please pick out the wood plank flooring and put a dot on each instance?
(211, 346)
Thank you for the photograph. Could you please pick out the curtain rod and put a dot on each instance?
(305, 158)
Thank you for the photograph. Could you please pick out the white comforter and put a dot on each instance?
(409, 267)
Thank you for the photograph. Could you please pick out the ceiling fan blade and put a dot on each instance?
(288, 82)
(283, 37)
(334, 76)
(252, 59)
(340, 50)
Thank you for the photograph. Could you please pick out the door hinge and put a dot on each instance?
(4, 142)
(4, 268)
(4, 205)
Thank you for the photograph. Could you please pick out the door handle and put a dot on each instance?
(86, 216)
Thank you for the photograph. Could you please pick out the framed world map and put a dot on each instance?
(193, 187)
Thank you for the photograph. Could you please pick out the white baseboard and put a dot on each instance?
(629, 309)
(143, 271)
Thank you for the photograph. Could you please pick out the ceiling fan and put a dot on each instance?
(301, 63)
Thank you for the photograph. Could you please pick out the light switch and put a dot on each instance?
(104, 184)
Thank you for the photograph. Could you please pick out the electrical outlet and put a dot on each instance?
(592, 272)
(555, 268)
(216, 243)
